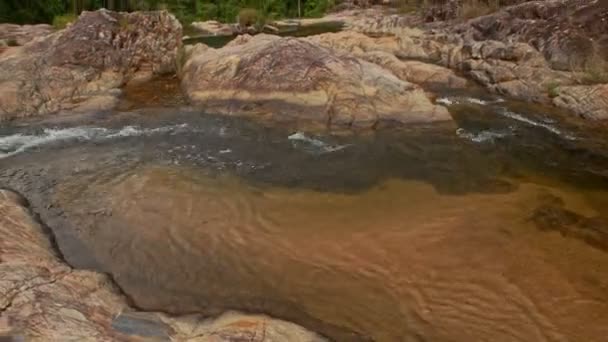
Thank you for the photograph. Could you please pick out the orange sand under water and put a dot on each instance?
(399, 262)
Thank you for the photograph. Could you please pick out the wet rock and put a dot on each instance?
(60, 72)
(43, 299)
(23, 34)
(294, 79)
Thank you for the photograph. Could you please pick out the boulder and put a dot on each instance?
(294, 79)
(84, 66)
(23, 34)
(43, 299)
(588, 101)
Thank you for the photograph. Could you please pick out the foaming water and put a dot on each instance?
(314, 145)
(481, 137)
(17, 143)
(548, 127)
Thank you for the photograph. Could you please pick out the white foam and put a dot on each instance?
(17, 143)
(476, 101)
(445, 101)
(483, 136)
(521, 118)
(319, 145)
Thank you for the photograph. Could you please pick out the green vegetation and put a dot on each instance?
(249, 17)
(61, 12)
(61, 21)
(553, 89)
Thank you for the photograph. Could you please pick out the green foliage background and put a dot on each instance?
(44, 11)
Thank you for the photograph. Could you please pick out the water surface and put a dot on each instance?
(491, 228)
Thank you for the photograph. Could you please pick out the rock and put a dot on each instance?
(294, 79)
(417, 72)
(513, 69)
(590, 102)
(215, 28)
(43, 299)
(60, 72)
(382, 51)
(569, 33)
(22, 35)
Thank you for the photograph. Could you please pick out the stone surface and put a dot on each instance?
(23, 34)
(83, 67)
(383, 51)
(569, 33)
(43, 299)
(526, 50)
(294, 79)
(590, 102)
(213, 27)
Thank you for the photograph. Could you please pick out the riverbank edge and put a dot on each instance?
(44, 298)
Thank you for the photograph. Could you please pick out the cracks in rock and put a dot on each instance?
(22, 289)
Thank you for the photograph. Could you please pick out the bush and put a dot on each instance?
(317, 8)
(249, 17)
(207, 12)
(553, 89)
(61, 21)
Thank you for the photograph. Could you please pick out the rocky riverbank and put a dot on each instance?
(43, 299)
(381, 69)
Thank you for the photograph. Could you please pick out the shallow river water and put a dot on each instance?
(493, 228)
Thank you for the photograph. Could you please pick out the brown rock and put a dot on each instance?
(22, 35)
(590, 102)
(294, 79)
(83, 66)
(42, 299)
(567, 32)
(213, 27)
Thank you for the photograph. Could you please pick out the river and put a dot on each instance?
(493, 227)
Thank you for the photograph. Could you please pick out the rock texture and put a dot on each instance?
(23, 34)
(84, 66)
(383, 51)
(567, 32)
(553, 51)
(42, 299)
(294, 79)
(590, 102)
(214, 27)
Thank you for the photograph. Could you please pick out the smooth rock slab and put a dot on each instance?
(297, 80)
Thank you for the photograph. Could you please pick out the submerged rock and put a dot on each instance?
(84, 66)
(43, 299)
(294, 79)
